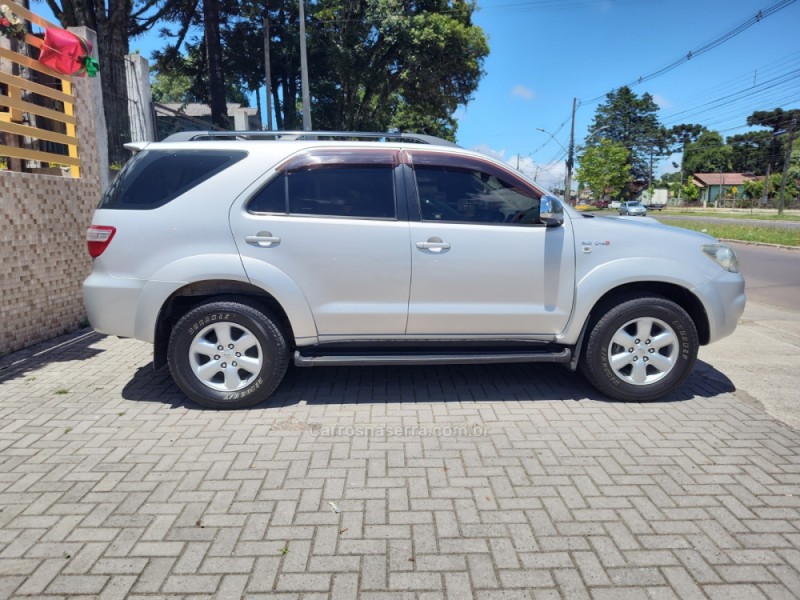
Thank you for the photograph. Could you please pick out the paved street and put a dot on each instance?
(438, 482)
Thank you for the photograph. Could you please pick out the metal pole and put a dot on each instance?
(787, 159)
(268, 71)
(765, 197)
(570, 154)
(304, 69)
(680, 185)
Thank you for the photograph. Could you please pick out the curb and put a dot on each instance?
(781, 246)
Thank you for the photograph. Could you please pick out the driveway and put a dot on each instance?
(429, 482)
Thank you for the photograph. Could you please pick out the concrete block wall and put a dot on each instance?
(43, 221)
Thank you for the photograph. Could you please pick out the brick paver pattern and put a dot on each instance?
(420, 482)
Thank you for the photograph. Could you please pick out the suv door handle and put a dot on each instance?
(263, 239)
(434, 244)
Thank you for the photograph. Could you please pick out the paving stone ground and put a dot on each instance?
(419, 482)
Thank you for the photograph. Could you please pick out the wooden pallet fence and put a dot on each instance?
(16, 107)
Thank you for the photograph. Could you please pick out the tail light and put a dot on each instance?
(98, 237)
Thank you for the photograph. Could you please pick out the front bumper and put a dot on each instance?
(724, 300)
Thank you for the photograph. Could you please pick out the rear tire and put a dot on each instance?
(642, 349)
(227, 354)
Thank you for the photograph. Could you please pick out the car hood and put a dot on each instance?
(642, 231)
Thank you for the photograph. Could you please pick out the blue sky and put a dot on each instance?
(545, 52)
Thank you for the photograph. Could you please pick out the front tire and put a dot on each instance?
(227, 354)
(642, 349)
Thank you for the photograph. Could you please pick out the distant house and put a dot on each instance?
(171, 118)
(721, 186)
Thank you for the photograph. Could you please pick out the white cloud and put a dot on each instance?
(520, 91)
(547, 175)
(662, 101)
(488, 151)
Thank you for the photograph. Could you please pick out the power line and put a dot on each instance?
(552, 136)
(736, 96)
(744, 80)
(757, 18)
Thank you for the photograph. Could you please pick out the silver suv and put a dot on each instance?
(236, 253)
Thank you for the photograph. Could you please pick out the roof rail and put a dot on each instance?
(419, 138)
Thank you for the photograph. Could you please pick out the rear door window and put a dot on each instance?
(358, 192)
(328, 186)
(155, 177)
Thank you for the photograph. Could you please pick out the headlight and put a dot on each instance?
(724, 256)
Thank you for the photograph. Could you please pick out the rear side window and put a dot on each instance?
(155, 177)
(356, 191)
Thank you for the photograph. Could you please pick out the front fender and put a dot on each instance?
(606, 277)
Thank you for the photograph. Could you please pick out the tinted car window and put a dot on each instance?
(271, 198)
(467, 195)
(358, 191)
(155, 177)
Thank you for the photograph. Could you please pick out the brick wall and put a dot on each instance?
(43, 221)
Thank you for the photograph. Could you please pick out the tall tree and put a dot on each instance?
(187, 80)
(680, 136)
(211, 16)
(685, 133)
(391, 64)
(709, 154)
(752, 150)
(778, 120)
(373, 64)
(216, 79)
(605, 168)
(632, 121)
(115, 22)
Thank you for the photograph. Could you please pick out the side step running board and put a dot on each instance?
(318, 360)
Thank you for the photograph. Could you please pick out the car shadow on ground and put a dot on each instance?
(75, 346)
(425, 384)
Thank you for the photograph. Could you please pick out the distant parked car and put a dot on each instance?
(614, 204)
(656, 205)
(633, 209)
(601, 203)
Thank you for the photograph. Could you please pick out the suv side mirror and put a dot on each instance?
(551, 213)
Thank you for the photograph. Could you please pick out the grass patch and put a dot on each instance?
(731, 215)
(62, 391)
(741, 232)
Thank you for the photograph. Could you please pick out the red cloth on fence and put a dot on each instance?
(65, 52)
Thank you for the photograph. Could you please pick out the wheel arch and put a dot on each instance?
(191, 295)
(671, 291)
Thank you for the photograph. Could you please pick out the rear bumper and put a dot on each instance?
(111, 303)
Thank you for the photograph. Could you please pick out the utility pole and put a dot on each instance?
(304, 69)
(268, 71)
(570, 154)
(786, 160)
(680, 185)
(765, 198)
